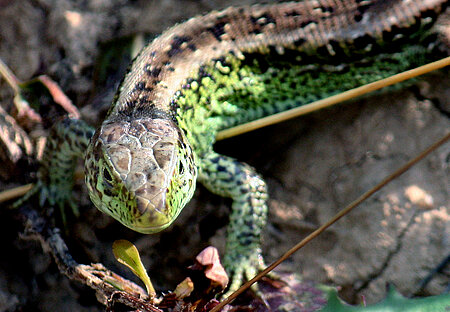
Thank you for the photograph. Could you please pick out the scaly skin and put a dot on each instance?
(223, 69)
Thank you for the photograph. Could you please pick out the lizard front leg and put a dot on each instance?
(228, 177)
(68, 140)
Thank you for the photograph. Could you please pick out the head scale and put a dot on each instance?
(140, 172)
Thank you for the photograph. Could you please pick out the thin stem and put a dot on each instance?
(339, 215)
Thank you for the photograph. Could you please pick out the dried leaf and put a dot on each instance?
(184, 289)
(209, 258)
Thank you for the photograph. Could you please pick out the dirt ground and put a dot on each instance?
(314, 166)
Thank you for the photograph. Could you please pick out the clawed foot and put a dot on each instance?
(241, 269)
(53, 195)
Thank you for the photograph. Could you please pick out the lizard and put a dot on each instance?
(210, 73)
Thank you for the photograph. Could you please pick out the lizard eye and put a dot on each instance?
(107, 183)
(107, 175)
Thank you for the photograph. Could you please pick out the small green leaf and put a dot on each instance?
(127, 254)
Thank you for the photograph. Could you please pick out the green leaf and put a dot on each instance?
(393, 302)
(127, 254)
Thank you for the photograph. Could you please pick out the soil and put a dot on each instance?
(314, 166)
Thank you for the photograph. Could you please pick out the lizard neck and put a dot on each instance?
(332, 29)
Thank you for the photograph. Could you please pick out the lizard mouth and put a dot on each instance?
(154, 212)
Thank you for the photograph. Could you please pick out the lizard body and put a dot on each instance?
(219, 70)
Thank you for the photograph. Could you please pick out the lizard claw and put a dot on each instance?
(55, 195)
(243, 268)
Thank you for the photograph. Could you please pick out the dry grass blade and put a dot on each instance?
(15, 192)
(10, 78)
(332, 100)
(338, 216)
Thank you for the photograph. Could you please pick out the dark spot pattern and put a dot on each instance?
(327, 9)
(141, 86)
(262, 20)
(306, 23)
(299, 42)
(218, 30)
(362, 42)
(153, 72)
(292, 13)
(360, 11)
(176, 45)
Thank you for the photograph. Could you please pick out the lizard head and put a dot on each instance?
(140, 172)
